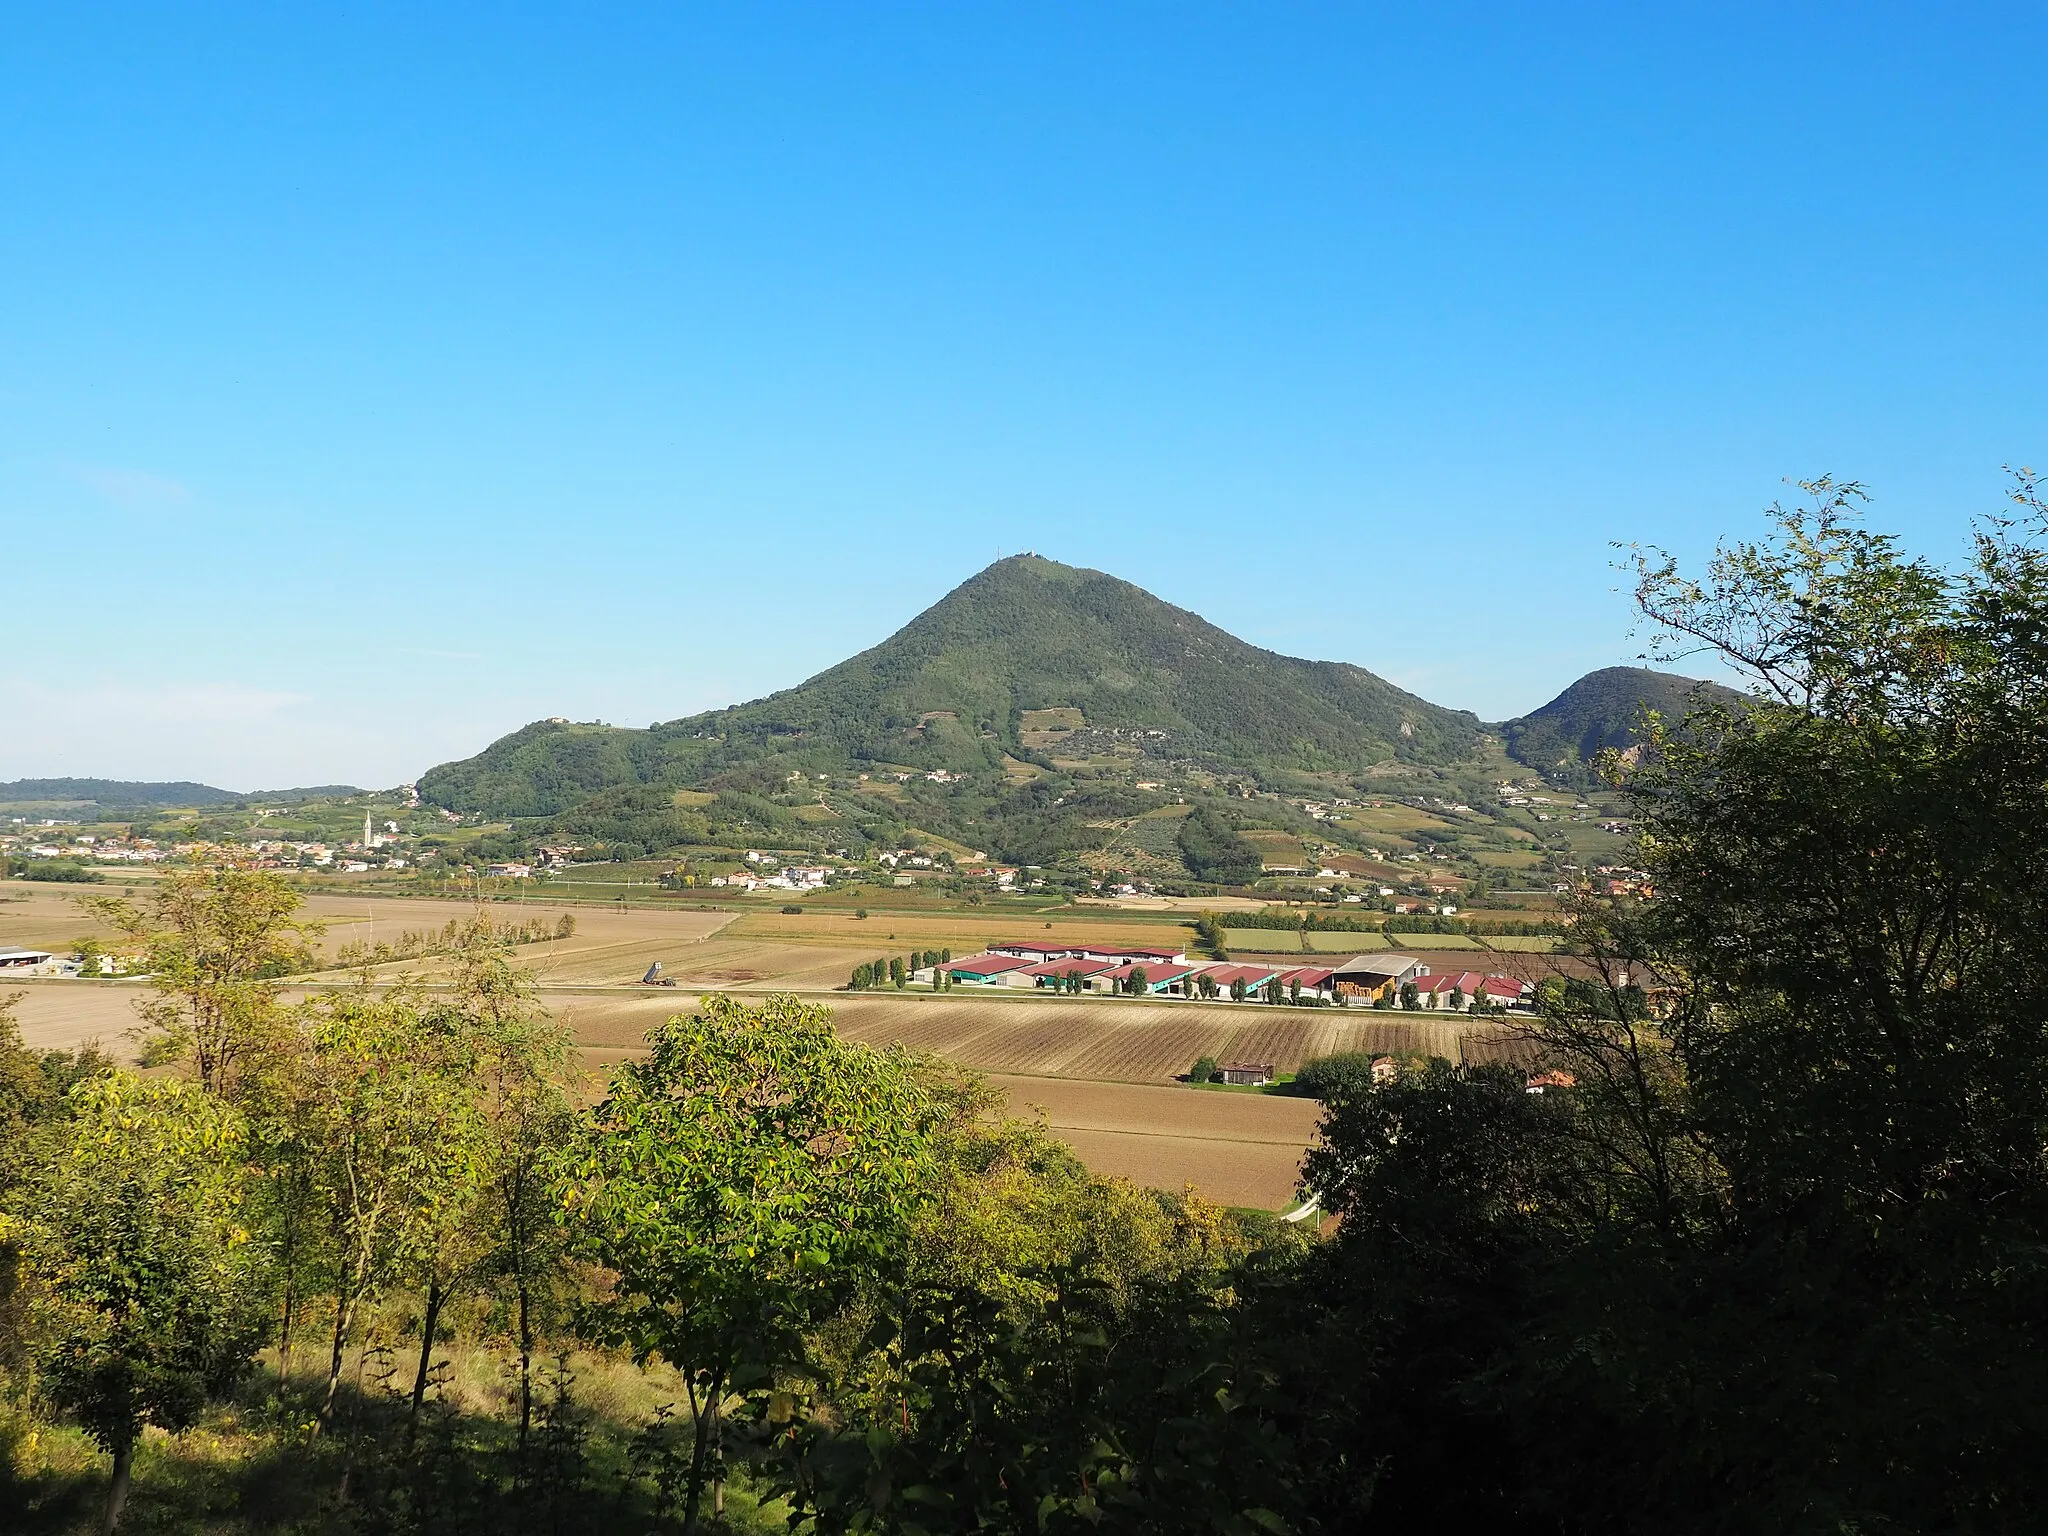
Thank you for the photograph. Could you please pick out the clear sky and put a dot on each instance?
(374, 379)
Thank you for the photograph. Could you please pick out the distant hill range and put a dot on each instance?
(127, 795)
(953, 688)
(1602, 711)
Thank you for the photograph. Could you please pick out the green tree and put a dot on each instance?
(147, 1285)
(389, 1126)
(517, 1062)
(1213, 850)
(28, 1099)
(214, 939)
(741, 1182)
(1762, 1237)
(1203, 1070)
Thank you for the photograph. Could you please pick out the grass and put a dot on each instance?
(1281, 1087)
(249, 1464)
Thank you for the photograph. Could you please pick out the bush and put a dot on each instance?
(791, 911)
(66, 871)
(1203, 1071)
(1330, 1076)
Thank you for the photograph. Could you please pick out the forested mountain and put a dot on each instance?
(1602, 710)
(952, 689)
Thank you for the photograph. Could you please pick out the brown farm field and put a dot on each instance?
(1239, 1149)
(962, 932)
(1101, 1071)
(63, 1015)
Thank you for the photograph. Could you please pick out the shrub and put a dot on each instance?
(67, 871)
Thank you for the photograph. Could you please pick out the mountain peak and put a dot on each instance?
(951, 688)
(1602, 710)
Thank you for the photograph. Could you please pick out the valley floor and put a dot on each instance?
(1100, 1070)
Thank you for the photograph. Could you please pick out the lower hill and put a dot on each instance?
(1602, 711)
(1029, 667)
(112, 794)
(130, 795)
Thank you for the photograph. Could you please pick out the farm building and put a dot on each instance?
(1114, 954)
(1437, 989)
(1031, 949)
(1054, 973)
(1226, 976)
(21, 959)
(1372, 976)
(1314, 981)
(1246, 1074)
(1160, 979)
(987, 970)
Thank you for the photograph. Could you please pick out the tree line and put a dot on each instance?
(897, 970)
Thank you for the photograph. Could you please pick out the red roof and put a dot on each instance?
(1505, 986)
(1250, 975)
(1135, 954)
(1154, 974)
(1466, 982)
(1033, 947)
(988, 965)
(1308, 976)
(1068, 968)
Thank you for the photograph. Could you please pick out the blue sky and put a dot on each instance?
(376, 379)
